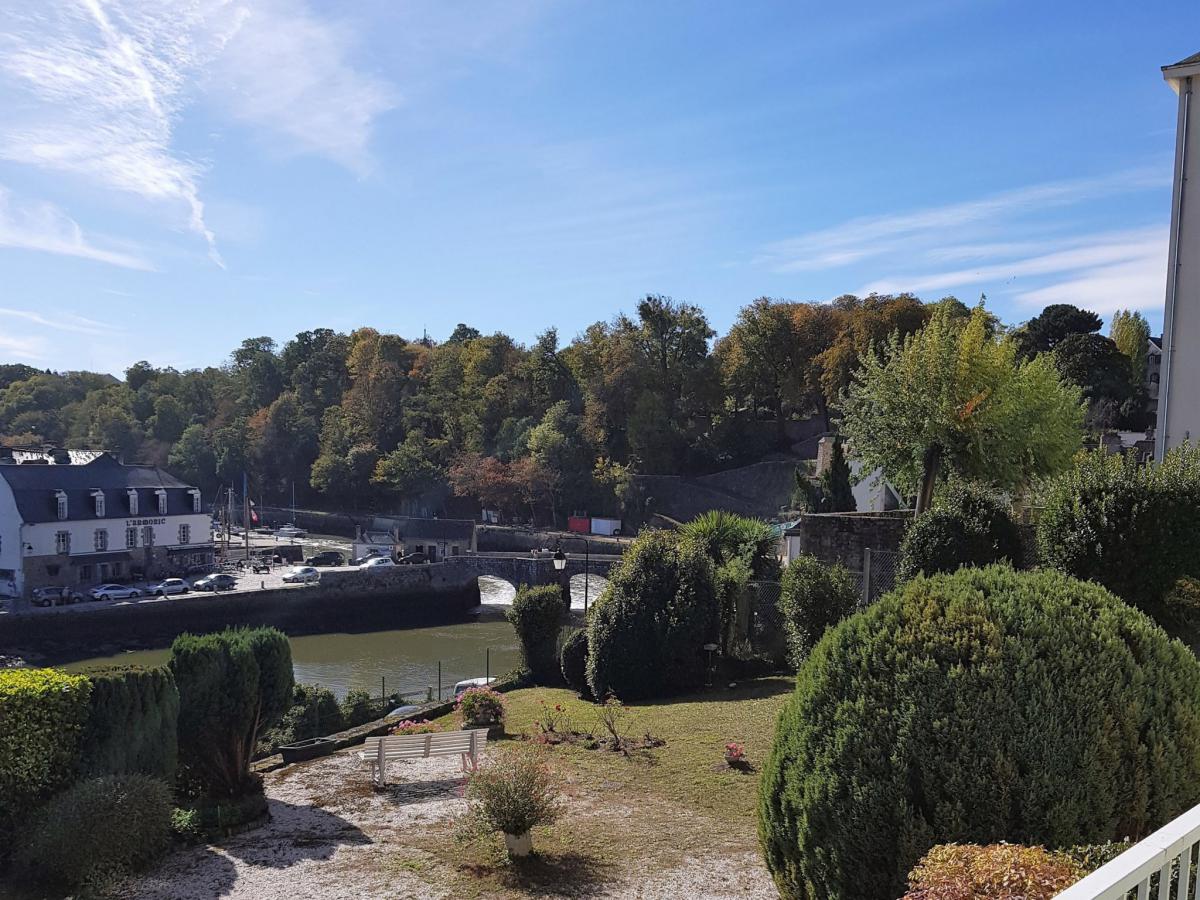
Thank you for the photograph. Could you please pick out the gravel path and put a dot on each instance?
(331, 837)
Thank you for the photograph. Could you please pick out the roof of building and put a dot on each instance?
(1157, 341)
(35, 486)
(1191, 60)
(434, 529)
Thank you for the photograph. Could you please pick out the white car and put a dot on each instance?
(473, 683)
(378, 562)
(114, 592)
(302, 575)
(290, 531)
(169, 586)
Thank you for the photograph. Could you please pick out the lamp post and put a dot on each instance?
(560, 563)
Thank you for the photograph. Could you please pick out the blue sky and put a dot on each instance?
(176, 175)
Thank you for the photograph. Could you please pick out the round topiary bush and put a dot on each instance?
(982, 706)
(536, 615)
(573, 661)
(813, 597)
(95, 830)
(968, 526)
(647, 631)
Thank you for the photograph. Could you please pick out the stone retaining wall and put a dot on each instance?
(842, 537)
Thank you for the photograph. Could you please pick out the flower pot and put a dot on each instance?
(519, 844)
(309, 749)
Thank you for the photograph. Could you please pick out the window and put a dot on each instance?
(133, 503)
(185, 534)
(61, 497)
(85, 574)
(98, 496)
(52, 570)
(62, 542)
(162, 502)
(456, 550)
(100, 540)
(131, 538)
(195, 500)
(148, 536)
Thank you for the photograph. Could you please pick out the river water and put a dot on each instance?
(404, 660)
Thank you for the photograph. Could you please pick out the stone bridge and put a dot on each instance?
(522, 568)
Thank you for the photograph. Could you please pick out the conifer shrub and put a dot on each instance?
(42, 717)
(1129, 526)
(97, 829)
(967, 526)
(647, 631)
(814, 596)
(985, 705)
(232, 684)
(132, 725)
(536, 615)
(573, 661)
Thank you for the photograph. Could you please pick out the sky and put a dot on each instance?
(177, 175)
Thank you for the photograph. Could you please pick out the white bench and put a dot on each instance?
(377, 752)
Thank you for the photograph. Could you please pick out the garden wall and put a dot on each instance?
(843, 537)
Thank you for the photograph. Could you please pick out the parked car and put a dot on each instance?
(114, 592)
(415, 558)
(471, 683)
(374, 554)
(326, 558)
(169, 586)
(377, 562)
(54, 596)
(302, 575)
(219, 581)
(290, 531)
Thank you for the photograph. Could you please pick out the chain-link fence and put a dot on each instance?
(878, 574)
(764, 620)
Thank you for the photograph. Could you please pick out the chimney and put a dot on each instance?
(824, 454)
(60, 456)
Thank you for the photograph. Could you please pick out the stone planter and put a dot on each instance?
(495, 729)
(309, 749)
(519, 844)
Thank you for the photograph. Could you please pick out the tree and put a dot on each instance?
(1094, 362)
(838, 495)
(537, 614)
(1052, 325)
(192, 458)
(948, 398)
(169, 420)
(256, 370)
(1131, 333)
(412, 468)
(863, 324)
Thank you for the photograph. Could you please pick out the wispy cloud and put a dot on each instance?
(62, 321)
(100, 85)
(44, 227)
(22, 347)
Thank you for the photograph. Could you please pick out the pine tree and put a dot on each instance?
(835, 483)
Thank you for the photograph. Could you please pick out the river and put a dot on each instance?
(406, 659)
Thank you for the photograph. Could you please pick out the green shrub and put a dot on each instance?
(314, 712)
(1131, 527)
(132, 725)
(814, 596)
(727, 536)
(232, 684)
(358, 708)
(96, 829)
(42, 715)
(573, 661)
(514, 790)
(981, 706)
(967, 526)
(994, 872)
(537, 614)
(648, 629)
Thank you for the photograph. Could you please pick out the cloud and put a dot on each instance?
(22, 347)
(99, 88)
(62, 321)
(46, 228)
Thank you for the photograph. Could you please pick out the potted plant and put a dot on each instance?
(514, 791)
(735, 753)
(481, 707)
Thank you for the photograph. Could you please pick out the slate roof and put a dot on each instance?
(34, 488)
(1191, 60)
(435, 529)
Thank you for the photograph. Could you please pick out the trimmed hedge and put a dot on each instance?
(813, 597)
(536, 615)
(132, 725)
(42, 716)
(987, 705)
(96, 830)
(232, 685)
(573, 661)
(1131, 527)
(648, 629)
(968, 526)
(994, 872)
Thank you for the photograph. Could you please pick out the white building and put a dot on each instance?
(1179, 382)
(77, 518)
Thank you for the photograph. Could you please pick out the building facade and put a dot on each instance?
(436, 538)
(75, 518)
(1179, 380)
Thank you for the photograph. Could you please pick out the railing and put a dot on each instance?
(1149, 863)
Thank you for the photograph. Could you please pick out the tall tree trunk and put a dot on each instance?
(930, 466)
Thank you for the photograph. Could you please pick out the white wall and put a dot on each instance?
(10, 539)
(42, 536)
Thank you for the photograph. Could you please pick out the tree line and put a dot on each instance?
(373, 421)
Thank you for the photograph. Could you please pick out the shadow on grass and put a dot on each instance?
(757, 689)
(570, 873)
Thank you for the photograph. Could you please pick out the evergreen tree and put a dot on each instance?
(835, 482)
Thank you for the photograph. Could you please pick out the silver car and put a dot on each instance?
(302, 575)
(169, 586)
(114, 592)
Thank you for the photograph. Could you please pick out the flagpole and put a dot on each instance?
(246, 513)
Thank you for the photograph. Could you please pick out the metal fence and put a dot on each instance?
(878, 574)
(764, 625)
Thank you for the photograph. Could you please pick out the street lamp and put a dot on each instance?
(560, 563)
(560, 559)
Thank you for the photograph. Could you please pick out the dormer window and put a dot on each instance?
(162, 501)
(195, 499)
(133, 508)
(98, 498)
(60, 498)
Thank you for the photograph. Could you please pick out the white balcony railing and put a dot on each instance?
(1159, 853)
